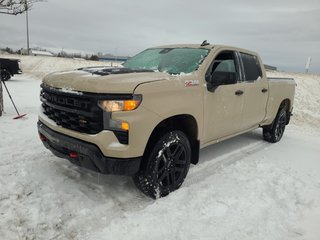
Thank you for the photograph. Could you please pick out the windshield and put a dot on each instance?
(171, 60)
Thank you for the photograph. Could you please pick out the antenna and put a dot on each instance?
(308, 64)
(204, 43)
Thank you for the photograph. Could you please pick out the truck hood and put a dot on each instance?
(115, 80)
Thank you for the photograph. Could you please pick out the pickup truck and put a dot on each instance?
(9, 67)
(149, 118)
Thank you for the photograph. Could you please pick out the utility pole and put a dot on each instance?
(27, 21)
(1, 97)
(1, 93)
(308, 64)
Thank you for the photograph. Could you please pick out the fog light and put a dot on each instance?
(125, 126)
(119, 125)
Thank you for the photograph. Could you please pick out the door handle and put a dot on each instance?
(264, 90)
(239, 92)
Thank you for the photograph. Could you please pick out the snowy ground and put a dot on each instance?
(243, 188)
(39, 66)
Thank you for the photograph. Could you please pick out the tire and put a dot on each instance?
(274, 132)
(5, 75)
(167, 165)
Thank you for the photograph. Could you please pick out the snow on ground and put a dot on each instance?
(243, 188)
(307, 99)
(39, 66)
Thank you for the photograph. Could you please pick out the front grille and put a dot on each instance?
(78, 112)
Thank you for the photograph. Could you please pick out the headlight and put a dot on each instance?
(119, 105)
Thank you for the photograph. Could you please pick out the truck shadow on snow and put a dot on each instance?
(225, 153)
(220, 149)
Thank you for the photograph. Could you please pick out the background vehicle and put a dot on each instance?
(9, 67)
(150, 118)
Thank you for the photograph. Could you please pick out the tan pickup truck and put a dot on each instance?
(149, 118)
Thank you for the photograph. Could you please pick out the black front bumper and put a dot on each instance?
(88, 155)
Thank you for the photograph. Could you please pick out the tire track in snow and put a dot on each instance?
(203, 170)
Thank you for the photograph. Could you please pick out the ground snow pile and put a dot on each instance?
(307, 99)
(242, 188)
(39, 66)
(248, 200)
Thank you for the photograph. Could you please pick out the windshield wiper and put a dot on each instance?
(109, 71)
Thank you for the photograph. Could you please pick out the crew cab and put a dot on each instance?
(149, 118)
(9, 67)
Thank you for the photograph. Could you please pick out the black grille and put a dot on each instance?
(78, 112)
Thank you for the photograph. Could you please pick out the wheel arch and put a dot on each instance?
(183, 122)
(286, 103)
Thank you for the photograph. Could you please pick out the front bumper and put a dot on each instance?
(86, 154)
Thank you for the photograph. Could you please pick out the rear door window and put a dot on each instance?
(252, 69)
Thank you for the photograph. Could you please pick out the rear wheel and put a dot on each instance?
(274, 132)
(167, 165)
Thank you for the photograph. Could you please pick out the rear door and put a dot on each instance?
(255, 91)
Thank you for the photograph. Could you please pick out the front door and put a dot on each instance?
(223, 105)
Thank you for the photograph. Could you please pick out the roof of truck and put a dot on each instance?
(209, 46)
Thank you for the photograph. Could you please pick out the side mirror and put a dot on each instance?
(221, 78)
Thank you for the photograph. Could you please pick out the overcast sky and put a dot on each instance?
(284, 32)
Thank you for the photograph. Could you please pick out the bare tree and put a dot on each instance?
(15, 7)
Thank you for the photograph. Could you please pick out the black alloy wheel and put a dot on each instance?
(167, 167)
(280, 126)
(274, 132)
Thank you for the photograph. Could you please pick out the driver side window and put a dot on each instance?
(224, 67)
(223, 71)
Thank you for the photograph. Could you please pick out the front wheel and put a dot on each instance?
(275, 132)
(167, 165)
